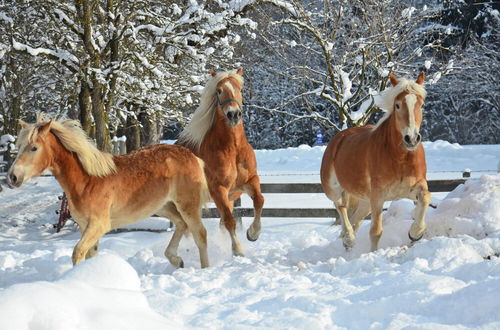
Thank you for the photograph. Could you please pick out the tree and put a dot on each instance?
(130, 59)
(341, 53)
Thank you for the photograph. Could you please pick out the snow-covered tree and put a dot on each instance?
(342, 53)
(129, 59)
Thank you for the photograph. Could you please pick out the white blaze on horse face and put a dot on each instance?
(230, 87)
(19, 170)
(411, 130)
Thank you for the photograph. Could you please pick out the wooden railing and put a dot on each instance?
(308, 188)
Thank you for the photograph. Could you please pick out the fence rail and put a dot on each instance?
(309, 188)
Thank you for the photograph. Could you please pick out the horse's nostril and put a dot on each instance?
(407, 139)
(239, 114)
(13, 178)
(419, 137)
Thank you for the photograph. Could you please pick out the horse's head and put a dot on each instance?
(408, 111)
(32, 157)
(228, 96)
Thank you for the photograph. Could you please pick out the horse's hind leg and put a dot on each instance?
(220, 196)
(359, 212)
(347, 234)
(423, 198)
(191, 213)
(351, 213)
(170, 211)
(253, 190)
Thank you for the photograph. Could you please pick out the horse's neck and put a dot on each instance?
(391, 139)
(224, 136)
(67, 169)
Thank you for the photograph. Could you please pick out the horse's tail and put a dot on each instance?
(204, 192)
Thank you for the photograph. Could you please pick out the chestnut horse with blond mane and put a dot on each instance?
(364, 166)
(216, 135)
(106, 192)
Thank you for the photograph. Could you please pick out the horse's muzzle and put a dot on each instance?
(412, 143)
(13, 180)
(234, 117)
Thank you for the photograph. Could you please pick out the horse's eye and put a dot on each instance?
(397, 106)
(219, 91)
(33, 149)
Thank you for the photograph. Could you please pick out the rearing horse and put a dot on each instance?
(364, 166)
(216, 135)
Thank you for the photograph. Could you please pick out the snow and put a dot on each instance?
(357, 115)
(296, 276)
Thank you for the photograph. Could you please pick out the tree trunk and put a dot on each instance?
(133, 133)
(85, 109)
(152, 129)
(101, 119)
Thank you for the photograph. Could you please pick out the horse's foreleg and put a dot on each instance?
(92, 251)
(376, 225)
(423, 199)
(90, 237)
(253, 190)
(220, 195)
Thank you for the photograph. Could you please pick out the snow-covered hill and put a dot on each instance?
(297, 275)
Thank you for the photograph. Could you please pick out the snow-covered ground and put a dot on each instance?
(297, 275)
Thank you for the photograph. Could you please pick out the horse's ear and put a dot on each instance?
(240, 71)
(212, 72)
(420, 79)
(44, 129)
(394, 80)
(23, 123)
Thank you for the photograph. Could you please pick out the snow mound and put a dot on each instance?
(105, 271)
(101, 293)
(471, 209)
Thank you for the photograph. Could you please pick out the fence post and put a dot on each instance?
(122, 143)
(236, 204)
(466, 173)
(114, 146)
(9, 158)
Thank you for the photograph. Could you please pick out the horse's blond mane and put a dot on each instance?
(203, 118)
(385, 100)
(74, 139)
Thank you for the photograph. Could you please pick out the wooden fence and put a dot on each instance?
(309, 188)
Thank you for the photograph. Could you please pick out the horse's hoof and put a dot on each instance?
(413, 240)
(238, 254)
(251, 239)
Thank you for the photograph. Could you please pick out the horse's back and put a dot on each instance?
(164, 158)
(149, 177)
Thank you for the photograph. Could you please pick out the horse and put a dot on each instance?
(216, 135)
(364, 166)
(105, 191)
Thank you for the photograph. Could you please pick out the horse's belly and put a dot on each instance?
(400, 189)
(127, 216)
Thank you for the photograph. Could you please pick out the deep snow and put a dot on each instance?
(297, 275)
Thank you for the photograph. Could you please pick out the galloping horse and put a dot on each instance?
(105, 191)
(216, 135)
(364, 166)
